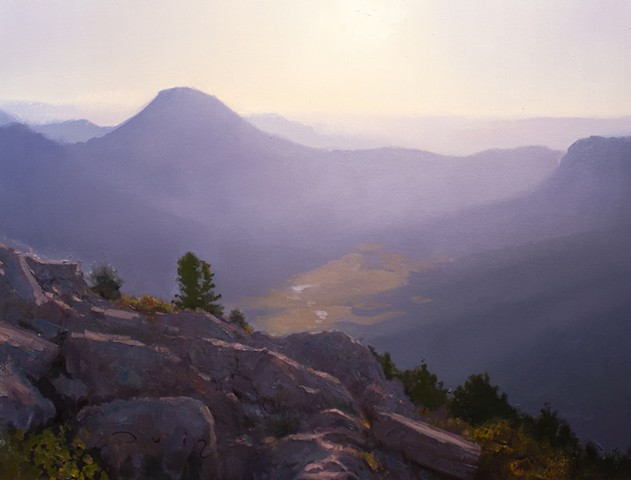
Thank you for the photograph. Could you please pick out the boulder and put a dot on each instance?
(314, 456)
(270, 378)
(351, 362)
(22, 406)
(24, 356)
(116, 366)
(32, 354)
(61, 277)
(18, 277)
(171, 437)
(427, 446)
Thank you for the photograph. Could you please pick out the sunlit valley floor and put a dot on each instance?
(342, 290)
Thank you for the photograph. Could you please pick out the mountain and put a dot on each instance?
(547, 320)
(438, 133)
(70, 131)
(588, 191)
(187, 173)
(6, 118)
(309, 136)
(537, 295)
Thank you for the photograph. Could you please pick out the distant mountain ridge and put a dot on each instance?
(310, 136)
(237, 193)
(71, 131)
(6, 118)
(437, 134)
(188, 174)
(537, 294)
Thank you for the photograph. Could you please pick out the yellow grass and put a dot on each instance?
(321, 298)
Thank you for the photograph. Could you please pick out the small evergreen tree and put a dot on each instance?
(238, 317)
(388, 367)
(423, 387)
(477, 401)
(197, 290)
(105, 282)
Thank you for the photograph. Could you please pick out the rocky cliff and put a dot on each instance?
(194, 396)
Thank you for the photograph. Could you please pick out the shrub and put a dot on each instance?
(105, 282)
(423, 387)
(146, 304)
(477, 401)
(237, 317)
(51, 453)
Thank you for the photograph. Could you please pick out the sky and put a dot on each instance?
(482, 58)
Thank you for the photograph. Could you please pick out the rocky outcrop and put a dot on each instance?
(417, 441)
(174, 437)
(25, 359)
(188, 395)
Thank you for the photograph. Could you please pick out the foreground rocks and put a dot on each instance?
(188, 395)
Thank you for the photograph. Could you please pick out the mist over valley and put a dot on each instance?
(511, 261)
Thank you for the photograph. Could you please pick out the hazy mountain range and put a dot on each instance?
(188, 173)
(67, 131)
(348, 132)
(437, 134)
(524, 269)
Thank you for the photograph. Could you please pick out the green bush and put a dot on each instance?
(50, 454)
(423, 387)
(237, 317)
(104, 281)
(146, 304)
(477, 401)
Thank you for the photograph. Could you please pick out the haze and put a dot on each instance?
(316, 59)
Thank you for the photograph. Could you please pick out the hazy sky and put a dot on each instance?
(422, 57)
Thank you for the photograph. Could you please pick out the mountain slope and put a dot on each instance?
(537, 288)
(188, 169)
(6, 118)
(70, 131)
(591, 189)
(548, 321)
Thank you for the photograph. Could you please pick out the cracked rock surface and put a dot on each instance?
(189, 395)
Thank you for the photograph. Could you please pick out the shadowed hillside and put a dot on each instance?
(188, 173)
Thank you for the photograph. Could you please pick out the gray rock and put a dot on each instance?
(33, 354)
(351, 362)
(312, 456)
(427, 446)
(62, 277)
(116, 366)
(19, 277)
(299, 407)
(149, 437)
(22, 406)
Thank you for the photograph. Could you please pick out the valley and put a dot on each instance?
(507, 261)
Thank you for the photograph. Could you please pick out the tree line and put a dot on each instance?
(514, 443)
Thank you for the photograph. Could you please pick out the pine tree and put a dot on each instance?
(105, 282)
(197, 290)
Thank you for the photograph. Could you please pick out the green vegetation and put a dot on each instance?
(197, 290)
(421, 385)
(477, 402)
(146, 304)
(104, 281)
(49, 454)
(515, 445)
(238, 317)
